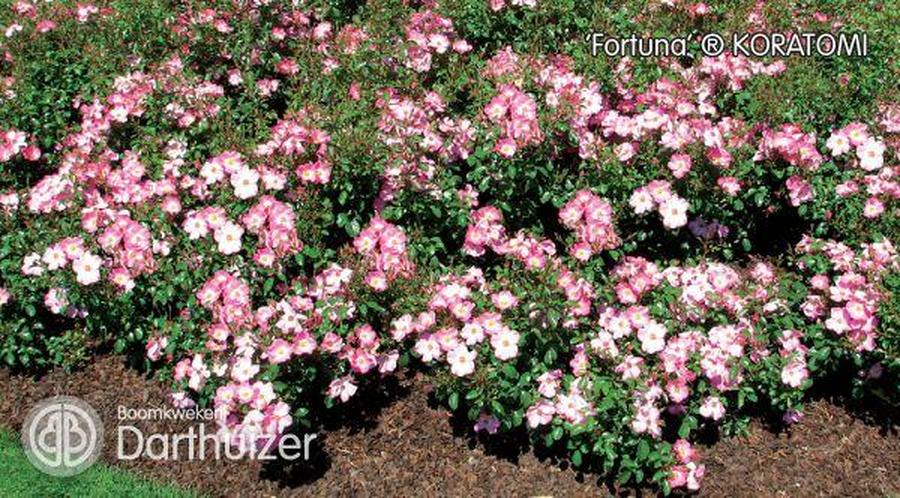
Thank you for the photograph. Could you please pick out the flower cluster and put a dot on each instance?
(688, 473)
(579, 292)
(417, 131)
(69, 251)
(274, 223)
(384, 247)
(515, 113)
(231, 165)
(428, 35)
(658, 195)
(292, 138)
(228, 299)
(131, 246)
(50, 194)
(591, 218)
(570, 406)
(799, 190)
(878, 179)
(636, 276)
(12, 142)
(790, 144)
(249, 415)
(497, 5)
(464, 329)
(227, 234)
(855, 136)
(848, 300)
(486, 230)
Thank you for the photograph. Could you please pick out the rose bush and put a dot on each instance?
(276, 204)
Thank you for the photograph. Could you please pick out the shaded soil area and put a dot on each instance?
(396, 442)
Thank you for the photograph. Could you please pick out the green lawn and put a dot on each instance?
(18, 478)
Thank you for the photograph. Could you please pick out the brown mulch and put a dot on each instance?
(406, 446)
(832, 452)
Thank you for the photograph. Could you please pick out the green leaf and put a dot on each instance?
(556, 433)
(643, 450)
(549, 357)
(687, 425)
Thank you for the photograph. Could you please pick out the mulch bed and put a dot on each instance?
(397, 442)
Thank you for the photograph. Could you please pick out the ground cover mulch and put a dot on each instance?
(397, 442)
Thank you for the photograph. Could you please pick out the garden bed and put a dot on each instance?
(470, 250)
(406, 444)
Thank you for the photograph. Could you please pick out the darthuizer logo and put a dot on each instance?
(62, 436)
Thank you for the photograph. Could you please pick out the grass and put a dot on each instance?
(18, 478)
